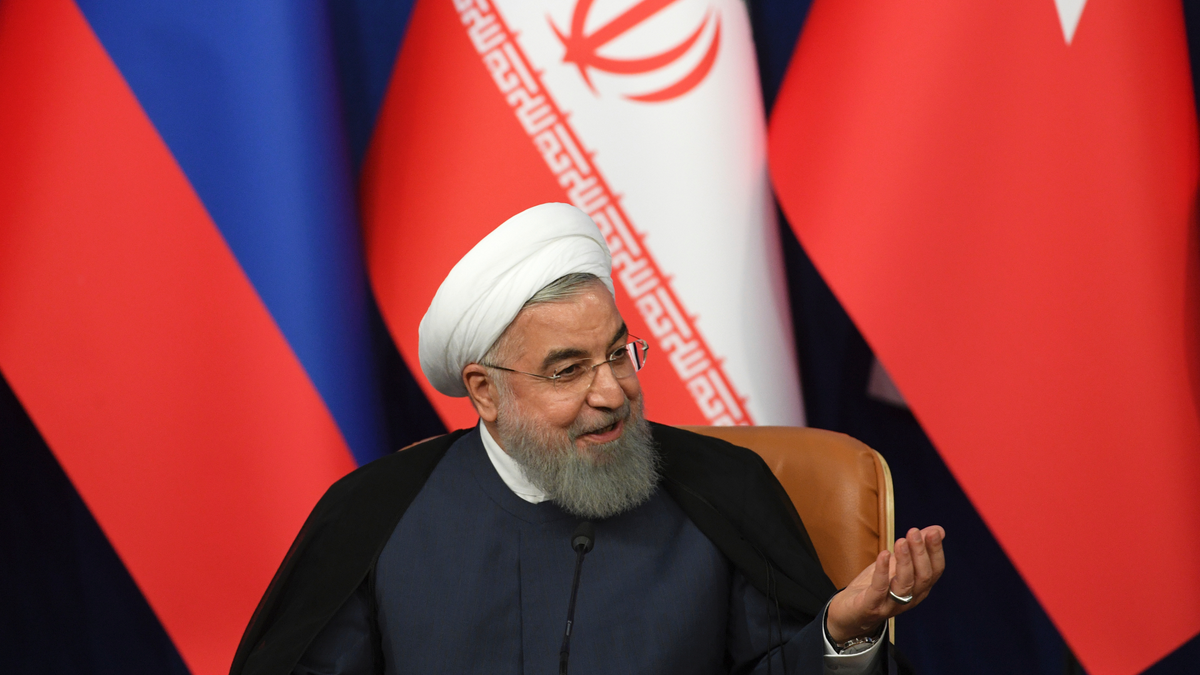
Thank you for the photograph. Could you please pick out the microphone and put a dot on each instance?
(582, 541)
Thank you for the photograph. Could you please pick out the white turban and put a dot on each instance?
(487, 288)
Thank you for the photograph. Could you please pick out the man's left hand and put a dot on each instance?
(862, 607)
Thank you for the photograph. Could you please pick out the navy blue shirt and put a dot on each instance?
(476, 580)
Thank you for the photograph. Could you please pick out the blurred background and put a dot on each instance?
(972, 222)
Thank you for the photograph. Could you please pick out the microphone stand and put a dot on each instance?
(582, 542)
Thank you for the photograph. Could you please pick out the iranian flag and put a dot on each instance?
(1003, 197)
(645, 114)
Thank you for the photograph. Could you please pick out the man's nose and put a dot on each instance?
(606, 391)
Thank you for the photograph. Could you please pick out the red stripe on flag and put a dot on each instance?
(1010, 220)
(138, 346)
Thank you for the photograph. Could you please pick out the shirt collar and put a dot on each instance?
(510, 472)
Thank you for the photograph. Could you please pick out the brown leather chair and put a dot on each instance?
(841, 488)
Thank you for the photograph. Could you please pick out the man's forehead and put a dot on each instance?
(566, 350)
(576, 325)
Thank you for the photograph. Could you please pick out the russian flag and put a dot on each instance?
(183, 307)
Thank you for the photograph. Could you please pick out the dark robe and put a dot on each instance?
(710, 488)
(475, 580)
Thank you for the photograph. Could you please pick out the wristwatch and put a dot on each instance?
(857, 645)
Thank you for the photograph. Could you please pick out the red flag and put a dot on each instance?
(1002, 196)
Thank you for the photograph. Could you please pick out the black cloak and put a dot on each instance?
(727, 491)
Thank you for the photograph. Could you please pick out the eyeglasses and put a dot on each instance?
(575, 378)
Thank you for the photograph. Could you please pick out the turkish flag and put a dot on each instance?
(1002, 195)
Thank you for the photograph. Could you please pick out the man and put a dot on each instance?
(454, 556)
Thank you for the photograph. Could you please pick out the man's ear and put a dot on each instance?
(482, 391)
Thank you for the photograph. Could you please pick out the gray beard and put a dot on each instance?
(618, 476)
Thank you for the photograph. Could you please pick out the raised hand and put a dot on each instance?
(862, 607)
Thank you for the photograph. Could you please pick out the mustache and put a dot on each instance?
(608, 418)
